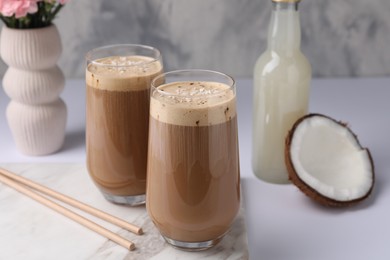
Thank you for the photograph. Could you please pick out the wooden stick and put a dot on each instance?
(68, 213)
(75, 203)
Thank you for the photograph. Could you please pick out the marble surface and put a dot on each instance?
(29, 230)
(340, 38)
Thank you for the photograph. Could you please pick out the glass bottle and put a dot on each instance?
(282, 76)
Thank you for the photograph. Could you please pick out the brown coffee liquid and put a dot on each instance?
(193, 193)
(117, 128)
(116, 156)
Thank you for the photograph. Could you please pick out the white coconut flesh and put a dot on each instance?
(327, 157)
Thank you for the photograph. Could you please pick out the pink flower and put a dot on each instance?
(19, 8)
(41, 12)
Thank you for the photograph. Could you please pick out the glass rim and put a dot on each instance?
(231, 85)
(88, 56)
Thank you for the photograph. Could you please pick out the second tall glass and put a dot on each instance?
(193, 186)
(118, 81)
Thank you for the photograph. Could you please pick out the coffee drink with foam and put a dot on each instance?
(118, 92)
(193, 186)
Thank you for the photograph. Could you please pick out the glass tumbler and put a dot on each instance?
(193, 184)
(118, 79)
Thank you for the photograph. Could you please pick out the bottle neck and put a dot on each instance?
(284, 33)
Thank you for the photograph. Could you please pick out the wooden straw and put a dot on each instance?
(68, 213)
(75, 203)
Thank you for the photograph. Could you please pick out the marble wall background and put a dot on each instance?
(341, 38)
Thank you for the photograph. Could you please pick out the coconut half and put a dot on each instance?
(326, 161)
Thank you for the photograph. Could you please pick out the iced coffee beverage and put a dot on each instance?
(193, 186)
(118, 82)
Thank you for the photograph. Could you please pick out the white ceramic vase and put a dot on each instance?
(36, 115)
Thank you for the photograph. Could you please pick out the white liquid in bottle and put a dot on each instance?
(282, 77)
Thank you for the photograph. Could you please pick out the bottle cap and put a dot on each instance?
(286, 1)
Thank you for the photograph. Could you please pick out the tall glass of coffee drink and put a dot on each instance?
(118, 79)
(193, 185)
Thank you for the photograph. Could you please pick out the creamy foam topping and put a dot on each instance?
(122, 73)
(193, 103)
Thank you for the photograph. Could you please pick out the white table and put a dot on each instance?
(281, 222)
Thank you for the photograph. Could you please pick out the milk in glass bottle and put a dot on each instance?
(282, 77)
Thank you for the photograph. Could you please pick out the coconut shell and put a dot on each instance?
(304, 187)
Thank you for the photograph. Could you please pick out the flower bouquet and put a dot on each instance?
(22, 14)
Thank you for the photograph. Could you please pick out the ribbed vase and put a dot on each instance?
(36, 115)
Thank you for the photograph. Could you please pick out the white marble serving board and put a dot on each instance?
(29, 230)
